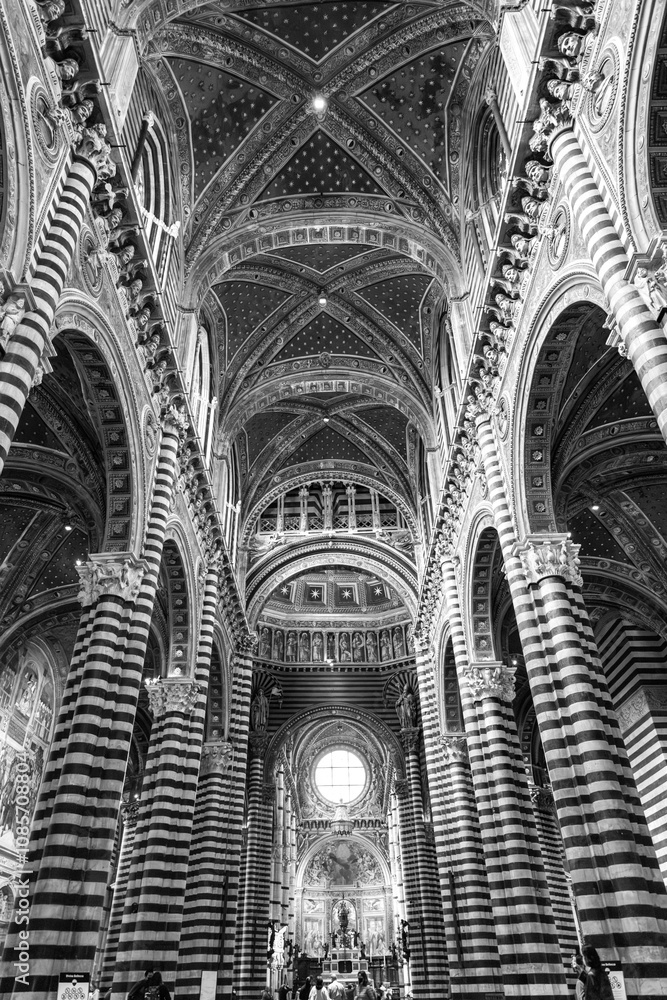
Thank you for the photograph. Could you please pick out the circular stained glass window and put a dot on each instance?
(340, 776)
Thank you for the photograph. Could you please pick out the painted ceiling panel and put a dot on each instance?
(33, 430)
(60, 570)
(13, 523)
(627, 400)
(399, 299)
(389, 422)
(223, 109)
(321, 258)
(316, 28)
(263, 428)
(325, 334)
(326, 444)
(412, 102)
(246, 305)
(651, 499)
(594, 538)
(320, 167)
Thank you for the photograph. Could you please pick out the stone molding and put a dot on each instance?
(216, 757)
(491, 680)
(172, 694)
(110, 574)
(454, 749)
(556, 555)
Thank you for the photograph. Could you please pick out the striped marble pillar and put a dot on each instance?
(615, 876)
(74, 833)
(621, 899)
(24, 351)
(464, 889)
(152, 915)
(424, 905)
(130, 814)
(525, 925)
(252, 933)
(644, 339)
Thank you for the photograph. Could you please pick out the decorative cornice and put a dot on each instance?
(110, 574)
(491, 680)
(216, 758)
(172, 694)
(553, 556)
(640, 705)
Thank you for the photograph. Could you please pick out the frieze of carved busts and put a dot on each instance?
(172, 694)
(216, 757)
(554, 556)
(491, 680)
(454, 749)
(109, 574)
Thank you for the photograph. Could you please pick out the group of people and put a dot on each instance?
(592, 980)
(335, 990)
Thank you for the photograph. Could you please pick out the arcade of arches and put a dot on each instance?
(333, 496)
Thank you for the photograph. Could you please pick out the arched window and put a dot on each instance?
(152, 180)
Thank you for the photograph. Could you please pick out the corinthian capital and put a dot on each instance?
(491, 680)
(490, 96)
(258, 743)
(454, 749)
(553, 556)
(410, 738)
(172, 694)
(216, 757)
(92, 146)
(110, 574)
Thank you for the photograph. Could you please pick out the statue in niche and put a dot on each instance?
(265, 643)
(371, 647)
(358, 647)
(26, 698)
(331, 646)
(406, 709)
(291, 647)
(259, 711)
(304, 647)
(399, 643)
(385, 645)
(344, 654)
(278, 645)
(318, 647)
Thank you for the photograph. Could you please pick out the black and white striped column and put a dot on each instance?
(151, 926)
(642, 336)
(91, 163)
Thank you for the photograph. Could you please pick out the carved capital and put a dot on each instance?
(216, 758)
(258, 743)
(172, 694)
(401, 787)
(542, 798)
(268, 794)
(491, 680)
(410, 739)
(129, 812)
(554, 556)
(174, 418)
(490, 96)
(110, 574)
(91, 145)
(454, 749)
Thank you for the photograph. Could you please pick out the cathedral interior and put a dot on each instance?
(333, 496)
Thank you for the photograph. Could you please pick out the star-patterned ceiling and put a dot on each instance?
(321, 167)
(326, 287)
(316, 28)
